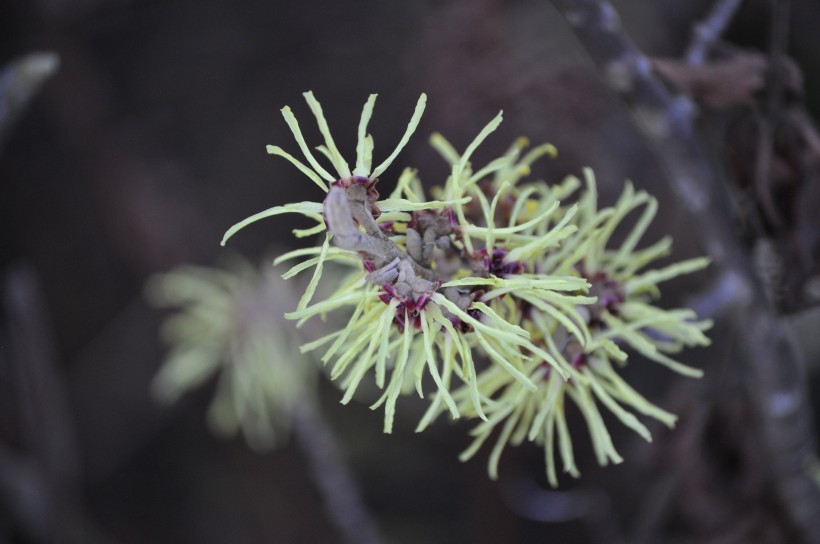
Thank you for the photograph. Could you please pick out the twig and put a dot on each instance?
(19, 83)
(341, 208)
(44, 405)
(776, 377)
(768, 121)
(339, 213)
(44, 481)
(708, 31)
(333, 477)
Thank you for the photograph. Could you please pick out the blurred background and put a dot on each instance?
(147, 143)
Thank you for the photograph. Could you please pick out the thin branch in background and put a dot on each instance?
(708, 32)
(770, 119)
(42, 483)
(47, 432)
(19, 83)
(333, 476)
(775, 376)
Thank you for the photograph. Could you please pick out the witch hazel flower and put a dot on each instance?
(621, 317)
(405, 320)
(493, 300)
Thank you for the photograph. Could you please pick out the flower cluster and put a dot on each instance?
(494, 299)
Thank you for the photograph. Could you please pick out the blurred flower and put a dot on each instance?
(227, 323)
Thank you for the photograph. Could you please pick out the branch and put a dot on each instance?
(775, 375)
(341, 208)
(48, 432)
(707, 32)
(339, 213)
(19, 83)
(332, 476)
(41, 483)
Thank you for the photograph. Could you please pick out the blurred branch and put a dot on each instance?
(48, 431)
(768, 120)
(41, 483)
(19, 83)
(47, 473)
(332, 476)
(707, 32)
(775, 376)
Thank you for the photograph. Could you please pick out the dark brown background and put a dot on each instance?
(149, 143)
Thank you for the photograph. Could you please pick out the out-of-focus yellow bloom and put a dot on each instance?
(227, 323)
